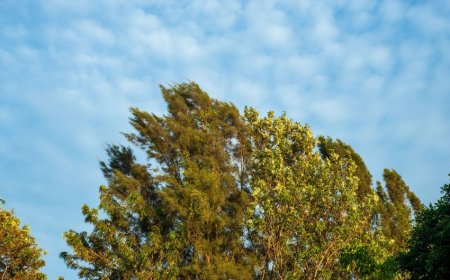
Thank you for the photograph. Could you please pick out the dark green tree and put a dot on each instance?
(428, 256)
(20, 257)
(131, 242)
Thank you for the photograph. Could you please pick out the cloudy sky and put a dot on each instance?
(375, 74)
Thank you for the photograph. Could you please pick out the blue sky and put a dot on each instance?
(372, 73)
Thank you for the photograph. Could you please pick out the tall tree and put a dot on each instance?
(183, 218)
(195, 147)
(225, 196)
(20, 257)
(397, 206)
(428, 256)
(304, 208)
(391, 220)
(132, 241)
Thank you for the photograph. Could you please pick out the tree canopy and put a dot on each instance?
(20, 257)
(228, 196)
(396, 209)
(304, 208)
(428, 256)
(328, 146)
(181, 217)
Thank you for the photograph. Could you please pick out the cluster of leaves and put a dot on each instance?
(236, 197)
(428, 256)
(395, 210)
(181, 218)
(226, 196)
(20, 258)
(391, 218)
(304, 208)
(230, 196)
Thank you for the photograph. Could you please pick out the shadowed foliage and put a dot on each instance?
(428, 256)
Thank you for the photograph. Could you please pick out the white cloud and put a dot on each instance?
(372, 73)
(380, 59)
(428, 19)
(219, 15)
(267, 26)
(90, 31)
(325, 31)
(15, 32)
(392, 11)
(373, 84)
(250, 90)
(302, 66)
(293, 102)
(331, 110)
(359, 6)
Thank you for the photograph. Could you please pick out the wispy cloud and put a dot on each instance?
(373, 73)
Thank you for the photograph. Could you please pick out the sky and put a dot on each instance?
(375, 74)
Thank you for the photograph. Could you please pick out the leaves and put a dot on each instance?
(183, 217)
(226, 196)
(428, 256)
(20, 258)
(396, 209)
(304, 208)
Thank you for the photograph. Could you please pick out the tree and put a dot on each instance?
(364, 258)
(327, 146)
(304, 208)
(396, 210)
(130, 242)
(226, 196)
(181, 217)
(375, 256)
(391, 220)
(428, 256)
(20, 257)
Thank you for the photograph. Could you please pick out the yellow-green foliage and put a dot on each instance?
(20, 258)
(226, 196)
(304, 208)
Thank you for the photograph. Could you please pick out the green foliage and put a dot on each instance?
(304, 208)
(370, 259)
(20, 258)
(238, 197)
(328, 146)
(428, 256)
(127, 244)
(372, 256)
(392, 221)
(181, 218)
(395, 210)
